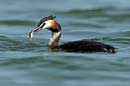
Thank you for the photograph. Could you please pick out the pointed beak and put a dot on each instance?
(37, 29)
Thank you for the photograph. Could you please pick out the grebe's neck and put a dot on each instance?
(54, 40)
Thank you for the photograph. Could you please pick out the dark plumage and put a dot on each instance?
(87, 46)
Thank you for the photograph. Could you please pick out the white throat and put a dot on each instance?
(54, 40)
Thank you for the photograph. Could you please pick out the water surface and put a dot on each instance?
(31, 63)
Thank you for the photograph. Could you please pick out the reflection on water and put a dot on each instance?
(31, 63)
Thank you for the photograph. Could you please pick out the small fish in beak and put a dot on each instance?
(31, 35)
(35, 30)
(45, 23)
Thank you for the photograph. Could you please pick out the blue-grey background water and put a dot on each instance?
(31, 63)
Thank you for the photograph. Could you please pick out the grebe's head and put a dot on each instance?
(47, 23)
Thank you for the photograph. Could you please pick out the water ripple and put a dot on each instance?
(17, 22)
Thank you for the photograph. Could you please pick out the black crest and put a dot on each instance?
(46, 19)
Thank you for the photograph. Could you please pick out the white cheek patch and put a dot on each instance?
(41, 25)
(47, 25)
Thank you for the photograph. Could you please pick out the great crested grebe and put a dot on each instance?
(74, 46)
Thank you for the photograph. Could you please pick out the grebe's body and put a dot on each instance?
(87, 46)
(74, 46)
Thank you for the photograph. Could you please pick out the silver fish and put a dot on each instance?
(31, 35)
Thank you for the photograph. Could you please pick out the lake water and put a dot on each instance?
(31, 63)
